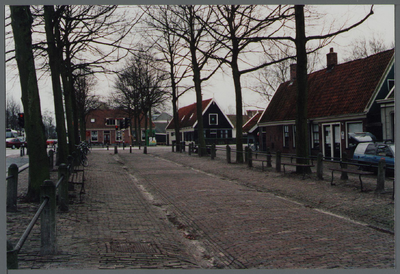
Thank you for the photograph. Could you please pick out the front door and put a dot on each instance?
(106, 138)
(332, 141)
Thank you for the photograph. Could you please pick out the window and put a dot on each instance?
(94, 136)
(315, 134)
(213, 133)
(353, 128)
(110, 122)
(371, 149)
(285, 136)
(92, 120)
(213, 119)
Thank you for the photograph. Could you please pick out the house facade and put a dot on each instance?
(103, 126)
(217, 127)
(342, 99)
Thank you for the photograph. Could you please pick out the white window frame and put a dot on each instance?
(285, 132)
(312, 135)
(94, 134)
(294, 135)
(347, 130)
(216, 119)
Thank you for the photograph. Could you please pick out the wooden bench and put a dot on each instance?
(352, 171)
(78, 178)
(296, 165)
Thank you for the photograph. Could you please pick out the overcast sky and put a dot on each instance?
(380, 25)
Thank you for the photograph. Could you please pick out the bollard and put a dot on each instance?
(344, 175)
(228, 154)
(269, 160)
(212, 151)
(115, 149)
(48, 219)
(278, 161)
(130, 149)
(145, 150)
(380, 184)
(51, 159)
(107, 147)
(320, 166)
(249, 157)
(12, 188)
(63, 192)
(173, 147)
(190, 148)
(123, 146)
(12, 256)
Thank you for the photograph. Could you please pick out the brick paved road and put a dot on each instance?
(142, 211)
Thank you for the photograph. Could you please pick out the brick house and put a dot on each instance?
(217, 127)
(103, 127)
(342, 99)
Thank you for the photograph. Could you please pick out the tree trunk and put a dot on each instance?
(239, 113)
(21, 22)
(302, 145)
(54, 61)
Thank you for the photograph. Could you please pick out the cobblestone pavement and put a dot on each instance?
(171, 210)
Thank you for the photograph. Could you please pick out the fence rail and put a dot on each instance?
(251, 156)
(46, 210)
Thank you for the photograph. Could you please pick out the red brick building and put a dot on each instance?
(103, 126)
(342, 99)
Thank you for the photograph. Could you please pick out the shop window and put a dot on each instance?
(94, 135)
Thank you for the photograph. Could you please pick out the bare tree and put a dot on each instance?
(166, 41)
(364, 47)
(21, 21)
(237, 29)
(12, 110)
(86, 101)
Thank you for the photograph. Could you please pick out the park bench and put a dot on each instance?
(351, 171)
(297, 165)
(78, 178)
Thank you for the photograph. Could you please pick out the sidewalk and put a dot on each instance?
(161, 210)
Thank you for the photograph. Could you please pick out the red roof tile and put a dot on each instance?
(346, 89)
(251, 122)
(188, 115)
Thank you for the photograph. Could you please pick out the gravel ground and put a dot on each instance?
(344, 199)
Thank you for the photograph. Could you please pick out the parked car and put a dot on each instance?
(15, 142)
(372, 152)
(51, 142)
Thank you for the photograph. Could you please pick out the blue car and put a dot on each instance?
(372, 152)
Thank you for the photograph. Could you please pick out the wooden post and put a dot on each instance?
(269, 164)
(344, 175)
(145, 150)
(249, 157)
(108, 148)
(278, 161)
(63, 192)
(190, 148)
(48, 219)
(228, 154)
(51, 159)
(320, 166)
(12, 188)
(173, 146)
(246, 154)
(115, 149)
(12, 256)
(212, 151)
(130, 149)
(380, 184)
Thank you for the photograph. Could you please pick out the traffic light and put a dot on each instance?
(21, 120)
(127, 122)
(121, 124)
(116, 127)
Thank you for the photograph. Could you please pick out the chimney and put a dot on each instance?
(293, 72)
(331, 59)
